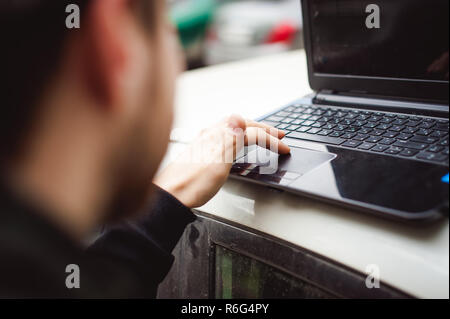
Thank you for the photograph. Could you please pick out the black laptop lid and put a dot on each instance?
(393, 48)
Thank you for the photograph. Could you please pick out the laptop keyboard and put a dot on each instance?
(406, 136)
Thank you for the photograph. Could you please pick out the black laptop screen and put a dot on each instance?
(395, 39)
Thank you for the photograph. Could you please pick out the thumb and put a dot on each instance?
(235, 138)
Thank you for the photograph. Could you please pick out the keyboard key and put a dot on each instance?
(435, 149)
(352, 129)
(297, 122)
(373, 139)
(432, 157)
(360, 123)
(303, 129)
(336, 134)
(374, 118)
(410, 130)
(423, 139)
(347, 122)
(424, 132)
(316, 138)
(441, 127)
(371, 125)
(413, 145)
(366, 146)
(308, 123)
(351, 116)
(282, 126)
(399, 122)
(292, 127)
(314, 118)
(314, 130)
(412, 123)
(325, 132)
(352, 144)
(387, 120)
(274, 118)
(361, 137)
(286, 120)
(324, 119)
(445, 151)
(384, 126)
(362, 117)
(438, 134)
(365, 130)
(426, 125)
(340, 127)
(270, 123)
(390, 134)
(379, 148)
(348, 135)
(283, 114)
(444, 142)
(304, 116)
(387, 141)
(409, 152)
(378, 132)
(319, 112)
(404, 136)
(394, 150)
(397, 128)
(329, 126)
(317, 124)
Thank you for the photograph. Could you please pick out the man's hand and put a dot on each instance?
(198, 174)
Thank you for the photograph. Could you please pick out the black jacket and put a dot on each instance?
(127, 261)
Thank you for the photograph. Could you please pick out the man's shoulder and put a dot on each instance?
(33, 255)
(24, 275)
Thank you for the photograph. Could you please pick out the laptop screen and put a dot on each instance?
(390, 39)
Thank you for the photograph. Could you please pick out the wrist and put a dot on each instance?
(177, 190)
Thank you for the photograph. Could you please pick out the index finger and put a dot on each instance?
(269, 129)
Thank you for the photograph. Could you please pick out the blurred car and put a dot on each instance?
(192, 18)
(244, 29)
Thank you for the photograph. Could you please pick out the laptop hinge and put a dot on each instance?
(387, 104)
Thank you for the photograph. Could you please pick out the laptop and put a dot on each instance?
(374, 134)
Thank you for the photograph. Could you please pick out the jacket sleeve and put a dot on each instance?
(141, 249)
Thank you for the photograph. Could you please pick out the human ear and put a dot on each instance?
(106, 51)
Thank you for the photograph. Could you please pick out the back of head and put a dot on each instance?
(32, 34)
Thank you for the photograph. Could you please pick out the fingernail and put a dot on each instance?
(236, 131)
(233, 125)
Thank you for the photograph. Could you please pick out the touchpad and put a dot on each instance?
(266, 166)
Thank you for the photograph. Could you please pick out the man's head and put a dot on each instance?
(101, 94)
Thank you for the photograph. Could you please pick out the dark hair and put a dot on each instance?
(32, 34)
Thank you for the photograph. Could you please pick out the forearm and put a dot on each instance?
(143, 246)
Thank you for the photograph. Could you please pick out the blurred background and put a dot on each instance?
(220, 31)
